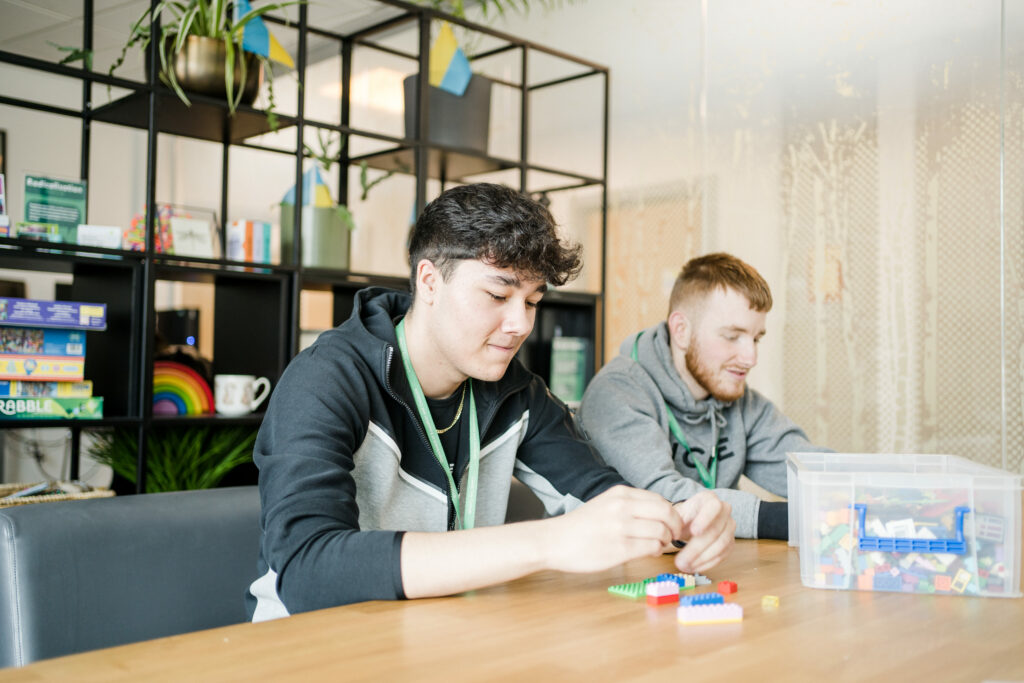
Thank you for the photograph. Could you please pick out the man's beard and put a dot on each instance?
(707, 378)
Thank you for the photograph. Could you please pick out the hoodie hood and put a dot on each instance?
(654, 355)
(370, 333)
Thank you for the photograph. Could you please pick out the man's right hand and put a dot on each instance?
(621, 524)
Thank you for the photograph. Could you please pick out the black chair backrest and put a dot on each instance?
(83, 575)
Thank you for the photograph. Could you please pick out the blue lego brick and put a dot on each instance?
(702, 599)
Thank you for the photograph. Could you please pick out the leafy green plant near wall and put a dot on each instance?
(177, 458)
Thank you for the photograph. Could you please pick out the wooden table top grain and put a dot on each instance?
(551, 626)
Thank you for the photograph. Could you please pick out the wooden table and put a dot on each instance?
(552, 626)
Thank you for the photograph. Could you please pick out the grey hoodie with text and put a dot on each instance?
(624, 413)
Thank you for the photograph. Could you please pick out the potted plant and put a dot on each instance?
(326, 224)
(177, 458)
(200, 50)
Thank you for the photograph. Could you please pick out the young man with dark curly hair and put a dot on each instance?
(389, 446)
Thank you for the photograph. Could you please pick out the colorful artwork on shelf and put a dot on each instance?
(200, 224)
(179, 390)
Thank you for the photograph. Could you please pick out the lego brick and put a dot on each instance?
(769, 601)
(961, 580)
(693, 615)
(662, 593)
(634, 590)
(702, 599)
(727, 587)
(685, 581)
(658, 600)
(886, 582)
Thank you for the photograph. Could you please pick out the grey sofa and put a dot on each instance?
(82, 575)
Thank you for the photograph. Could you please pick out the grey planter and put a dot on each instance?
(454, 121)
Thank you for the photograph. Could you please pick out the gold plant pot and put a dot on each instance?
(199, 68)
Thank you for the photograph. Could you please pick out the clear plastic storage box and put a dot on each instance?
(907, 523)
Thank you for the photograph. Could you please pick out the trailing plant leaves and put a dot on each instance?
(74, 54)
(366, 183)
(177, 459)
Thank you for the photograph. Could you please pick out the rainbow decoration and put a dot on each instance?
(179, 390)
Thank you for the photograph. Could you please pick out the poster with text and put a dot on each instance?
(56, 202)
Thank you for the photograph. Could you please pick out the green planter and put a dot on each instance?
(326, 239)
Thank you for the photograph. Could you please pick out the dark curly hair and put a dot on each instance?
(496, 224)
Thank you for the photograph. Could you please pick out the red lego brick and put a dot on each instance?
(655, 600)
(726, 587)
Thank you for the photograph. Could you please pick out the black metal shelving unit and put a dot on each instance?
(256, 323)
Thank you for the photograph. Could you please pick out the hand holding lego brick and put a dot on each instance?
(708, 529)
(619, 525)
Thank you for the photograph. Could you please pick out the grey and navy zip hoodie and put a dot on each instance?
(345, 465)
(624, 413)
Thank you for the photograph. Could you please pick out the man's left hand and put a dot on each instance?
(708, 530)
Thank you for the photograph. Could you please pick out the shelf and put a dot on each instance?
(558, 296)
(58, 256)
(66, 423)
(445, 164)
(210, 419)
(170, 268)
(450, 164)
(324, 279)
(206, 119)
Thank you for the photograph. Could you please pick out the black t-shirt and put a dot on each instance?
(443, 412)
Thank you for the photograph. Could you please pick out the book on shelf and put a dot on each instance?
(42, 368)
(51, 408)
(572, 360)
(66, 314)
(253, 241)
(44, 341)
(15, 388)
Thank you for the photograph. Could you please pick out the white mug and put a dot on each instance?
(237, 394)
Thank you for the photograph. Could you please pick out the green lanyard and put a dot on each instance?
(708, 478)
(467, 520)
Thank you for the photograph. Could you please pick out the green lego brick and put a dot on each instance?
(631, 590)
